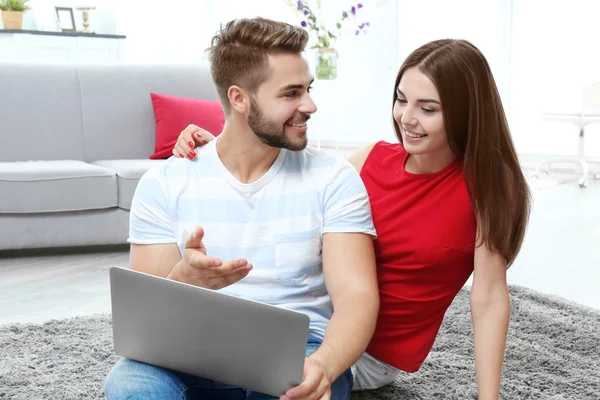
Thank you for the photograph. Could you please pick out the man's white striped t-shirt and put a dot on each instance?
(276, 222)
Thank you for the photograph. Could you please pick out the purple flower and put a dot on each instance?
(353, 10)
(303, 23)
(359, 5)
(361, 26)
(357, 32)
(299, 4)
(344, 14)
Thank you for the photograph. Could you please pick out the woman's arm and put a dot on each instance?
(190, 138)
(490, 309)
(358, 158)
(193, 136)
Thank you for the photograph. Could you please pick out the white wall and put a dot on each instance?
(542, 53)
(485, 23)
(181, 32)
(354, 107)
(555, 55)
(102, 20)
(158, 34)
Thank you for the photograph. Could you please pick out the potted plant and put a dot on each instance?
(323, 36)
(12, 13)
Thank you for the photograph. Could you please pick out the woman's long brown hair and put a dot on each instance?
(478, 133)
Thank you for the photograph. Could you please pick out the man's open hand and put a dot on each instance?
(199, 269)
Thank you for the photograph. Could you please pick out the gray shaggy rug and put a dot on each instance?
(553, 352)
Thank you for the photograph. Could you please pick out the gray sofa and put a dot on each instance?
(74, 141)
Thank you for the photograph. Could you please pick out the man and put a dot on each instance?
(300, 219)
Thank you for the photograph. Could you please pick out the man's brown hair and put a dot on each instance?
(239, 52)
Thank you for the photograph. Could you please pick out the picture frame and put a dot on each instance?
(66, 19)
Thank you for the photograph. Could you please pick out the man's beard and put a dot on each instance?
(271, 133)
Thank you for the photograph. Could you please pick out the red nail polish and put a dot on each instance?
(192, 154)
(191, 144)
(199, 134)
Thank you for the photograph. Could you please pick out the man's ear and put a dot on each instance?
(238, 99)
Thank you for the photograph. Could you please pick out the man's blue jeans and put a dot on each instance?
(130, 379)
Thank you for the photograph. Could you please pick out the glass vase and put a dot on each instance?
(326, 68)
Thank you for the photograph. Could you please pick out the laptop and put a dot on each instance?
(206, 333)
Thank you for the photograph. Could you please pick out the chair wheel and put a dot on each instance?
(597, 176)
(582, 182)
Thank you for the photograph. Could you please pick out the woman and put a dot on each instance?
(450, 199)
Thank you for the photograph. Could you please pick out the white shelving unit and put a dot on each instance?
(60, 47)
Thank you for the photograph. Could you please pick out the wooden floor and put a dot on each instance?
(561, 255)
(39, 287)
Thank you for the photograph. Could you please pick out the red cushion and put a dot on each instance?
(174, 114)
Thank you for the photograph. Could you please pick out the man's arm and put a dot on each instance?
(351, 280)
(349, 269)
(154, 247)
(154, 259)
(153, 244)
